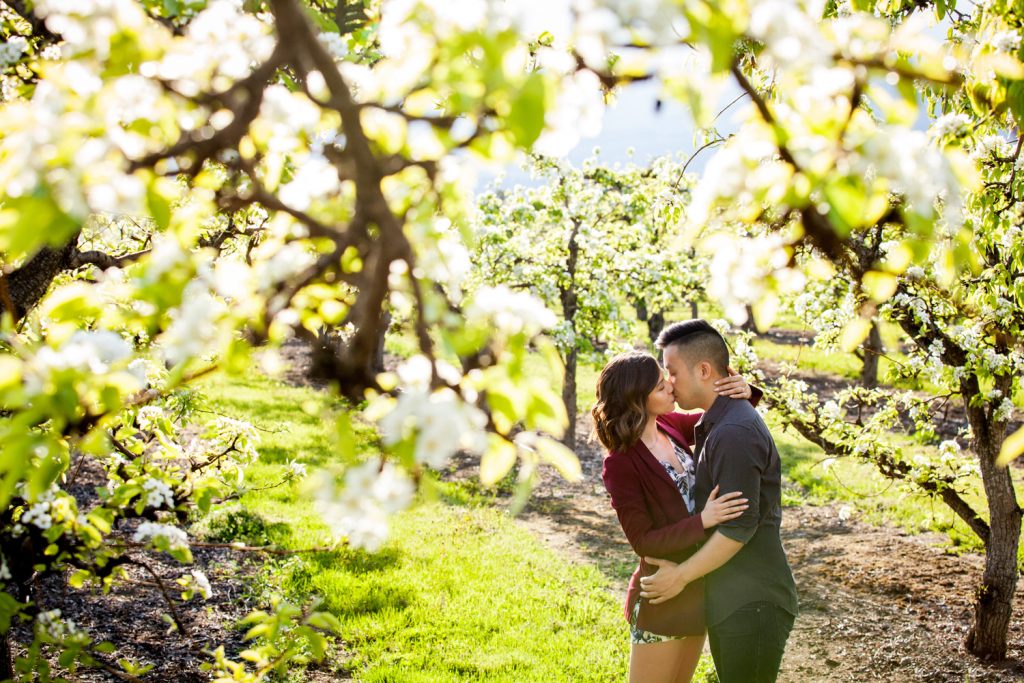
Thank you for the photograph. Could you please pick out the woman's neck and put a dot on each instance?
(650, 434)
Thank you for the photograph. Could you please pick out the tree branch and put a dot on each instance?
(104, 260)
(891, 468)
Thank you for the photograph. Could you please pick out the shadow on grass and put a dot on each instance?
(352, 582)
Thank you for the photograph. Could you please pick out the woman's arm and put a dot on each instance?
(631, 508)
(685, 422)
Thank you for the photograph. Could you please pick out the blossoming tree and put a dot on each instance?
(587, 242)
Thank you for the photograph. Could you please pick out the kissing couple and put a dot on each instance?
(698, 495)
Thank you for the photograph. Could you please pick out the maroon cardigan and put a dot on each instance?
(657, 524)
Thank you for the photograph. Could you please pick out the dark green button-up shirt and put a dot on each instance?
(735, 451)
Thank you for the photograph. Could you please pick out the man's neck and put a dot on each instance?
(707, 398)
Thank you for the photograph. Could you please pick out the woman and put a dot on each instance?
(649, 474)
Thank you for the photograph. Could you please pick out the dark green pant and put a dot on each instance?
(748, 645)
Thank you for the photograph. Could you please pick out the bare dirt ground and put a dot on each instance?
(876, 604)
(131, 617)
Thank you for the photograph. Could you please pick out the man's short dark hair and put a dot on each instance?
(698, 341)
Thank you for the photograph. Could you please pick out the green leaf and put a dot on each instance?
(557, 454)
(350, 16)
(159, 206)
(847, 202)
(1013, 448)
(9, 608)
(855, 332)
(78, 578)
(526, 116)
(497, 460)
(30, 222)
(1015, 98)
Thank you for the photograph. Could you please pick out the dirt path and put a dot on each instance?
(876, 604)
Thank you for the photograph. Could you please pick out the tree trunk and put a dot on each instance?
(569, 397)
(750, 325)
(994, 605)
(655, 324)
(694, 310)
(641, 310)
(872, 349)
(570, 306)
(6, 658)
(378, 356)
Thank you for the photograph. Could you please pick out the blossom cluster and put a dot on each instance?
(12, 50)
(358, 511)
(175, 537)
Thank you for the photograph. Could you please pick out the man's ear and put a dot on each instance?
(704, 370)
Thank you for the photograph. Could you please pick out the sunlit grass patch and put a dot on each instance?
(460, 592)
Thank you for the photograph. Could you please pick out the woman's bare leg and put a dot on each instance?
(693, 646)
(672, 661)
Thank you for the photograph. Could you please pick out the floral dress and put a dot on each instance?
(684, 481)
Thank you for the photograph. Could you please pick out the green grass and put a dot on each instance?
(458, 593)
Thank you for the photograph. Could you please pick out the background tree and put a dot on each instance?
(587, 241)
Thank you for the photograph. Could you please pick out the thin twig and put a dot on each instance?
(167, 596)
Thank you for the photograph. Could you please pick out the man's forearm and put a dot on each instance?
(718, 550)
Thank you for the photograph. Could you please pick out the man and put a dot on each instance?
(750, 596)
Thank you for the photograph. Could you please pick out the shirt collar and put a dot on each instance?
(714, 413)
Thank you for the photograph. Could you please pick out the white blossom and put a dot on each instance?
(393, 489)
(158, 494)
(359, 510)
(832, 410)
(89, 25)
(11, 51)
(221, 41)
(741, 268)
(1004, 412)
(511, 311)
(1006, 41)
(289, 115)
(164, 257)
(949, 450)
(334, 44)
(39, 515)
(287, 261)
(176, 537)
(194, 324)
(789, 33)
(950, 124)
(202, 584)
(315, 179)
(440, 421)
(227, 432)
(51, 623)
(577, 113)
(991, 145)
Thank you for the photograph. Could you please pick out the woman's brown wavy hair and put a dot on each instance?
(620, 413)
